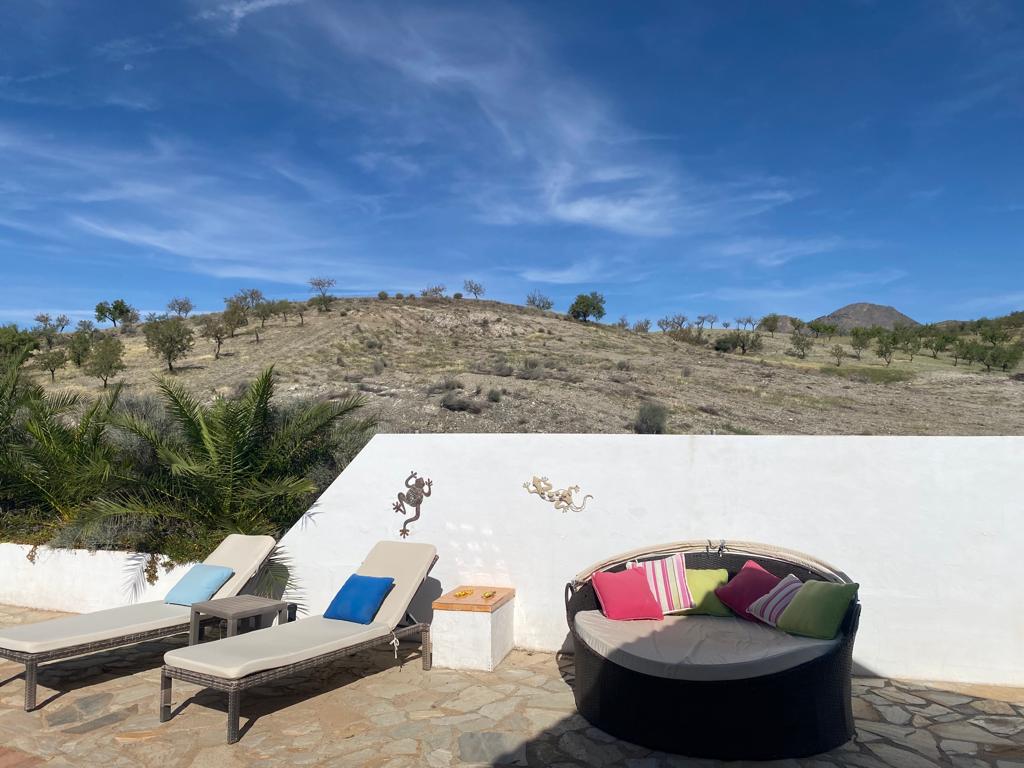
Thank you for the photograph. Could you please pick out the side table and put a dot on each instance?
(234, 609)
(473, 627)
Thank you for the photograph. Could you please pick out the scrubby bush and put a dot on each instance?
(457, 296)
(838, 352)
(433, 292)
(642, 326)
(447, 384)
(651, 419)
(382, 295)
(456, 402)
(494, 395)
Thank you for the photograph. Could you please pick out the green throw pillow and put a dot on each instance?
(817, 609)
(702, 583)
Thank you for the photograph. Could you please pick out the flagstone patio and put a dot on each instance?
(374, 712)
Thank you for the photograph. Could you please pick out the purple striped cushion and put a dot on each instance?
(769, 607)
(667, 580)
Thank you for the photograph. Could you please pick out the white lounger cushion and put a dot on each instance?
(83, 628)
(242, 554)
(697, 647)
(408, 564)
(284, 644)
(277, 646)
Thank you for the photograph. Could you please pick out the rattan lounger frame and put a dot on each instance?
(801, 711)
(234, 686)
(33, 660)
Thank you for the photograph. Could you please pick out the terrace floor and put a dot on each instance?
(102, 710)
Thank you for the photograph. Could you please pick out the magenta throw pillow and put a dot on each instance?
(625, 595)
(745, 587)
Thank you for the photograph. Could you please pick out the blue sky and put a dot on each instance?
(735, 158)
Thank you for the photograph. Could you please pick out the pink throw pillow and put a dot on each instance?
(625, 595)
(745, 587)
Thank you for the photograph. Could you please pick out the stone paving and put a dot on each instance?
(371, 711)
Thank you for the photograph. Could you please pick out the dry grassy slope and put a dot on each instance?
(595, 377)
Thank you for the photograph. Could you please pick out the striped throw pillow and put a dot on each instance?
(770, 607)
(667, 580)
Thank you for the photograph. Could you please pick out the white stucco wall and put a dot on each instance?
(77, 580)
(931, 527)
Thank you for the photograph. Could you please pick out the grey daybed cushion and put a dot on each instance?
(697, 647)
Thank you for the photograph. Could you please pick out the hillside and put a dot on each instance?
(551, 374)
(866, 315)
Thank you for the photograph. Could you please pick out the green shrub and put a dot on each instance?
(651, 419)
(494, 395)
(382, 295)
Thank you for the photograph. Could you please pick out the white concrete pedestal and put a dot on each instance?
(472, 632)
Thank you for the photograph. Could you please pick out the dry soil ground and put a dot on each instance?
(552, 374)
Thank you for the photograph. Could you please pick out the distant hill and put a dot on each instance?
(865, 315)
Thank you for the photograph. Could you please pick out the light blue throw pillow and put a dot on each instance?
(200, 583)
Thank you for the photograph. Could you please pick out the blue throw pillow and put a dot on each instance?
(360, 598)
(200, 583)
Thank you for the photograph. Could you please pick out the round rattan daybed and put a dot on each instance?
(724, 711)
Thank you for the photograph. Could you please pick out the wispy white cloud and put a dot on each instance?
(232, 14)
(771, 251)
(1013, 300)
(775, 291)
(576, 272)
(526, 141)
(179, 206)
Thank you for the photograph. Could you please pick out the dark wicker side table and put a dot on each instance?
(233, 610)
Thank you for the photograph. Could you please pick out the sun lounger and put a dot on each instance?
(33, 644)
(236, 663)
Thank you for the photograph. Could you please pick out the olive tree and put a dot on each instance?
(213, 328)
(117, 311)
(770, 323)
(169, 338)
(801, 344)
(838, 352)
(860, 339)
(538, 300)
(474, 288)
(586, 306)
(321, 286)
(885, 346)
(180, 306)
(106, 360)
(52, 360)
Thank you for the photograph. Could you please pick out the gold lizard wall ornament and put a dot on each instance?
(563, 500)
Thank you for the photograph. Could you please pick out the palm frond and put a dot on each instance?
(185, 409)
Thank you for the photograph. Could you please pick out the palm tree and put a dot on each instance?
(235, 466)
(51, 464)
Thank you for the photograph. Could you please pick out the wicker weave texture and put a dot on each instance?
(798, 712)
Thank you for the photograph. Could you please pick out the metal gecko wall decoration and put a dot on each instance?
(416, 490)
(563, 499)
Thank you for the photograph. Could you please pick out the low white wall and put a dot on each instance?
(930, 527)
(77, 580)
